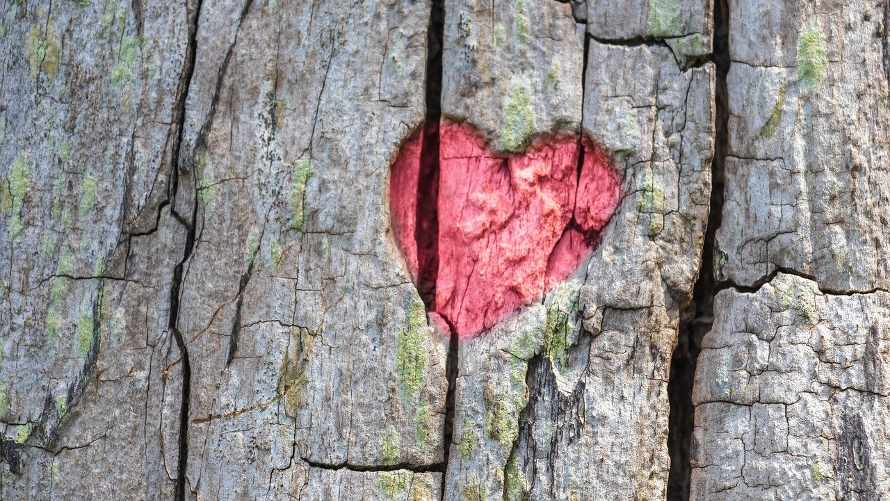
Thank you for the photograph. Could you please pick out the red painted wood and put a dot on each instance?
(509, 227)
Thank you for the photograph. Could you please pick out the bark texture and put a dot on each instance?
(203, 297)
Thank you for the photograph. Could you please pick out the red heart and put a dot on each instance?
(484, 234)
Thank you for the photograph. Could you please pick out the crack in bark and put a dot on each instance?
(697, 318)
(416, 468)
(176, 282)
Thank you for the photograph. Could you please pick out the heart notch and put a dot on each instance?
(483, 233)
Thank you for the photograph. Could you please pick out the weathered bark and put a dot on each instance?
(203, 297)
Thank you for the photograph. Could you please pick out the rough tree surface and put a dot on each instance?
(216, 286)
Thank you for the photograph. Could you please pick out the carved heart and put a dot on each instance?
(484, 234)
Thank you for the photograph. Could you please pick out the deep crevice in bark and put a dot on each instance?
(176, 282)
(698, 317)
(427, 224)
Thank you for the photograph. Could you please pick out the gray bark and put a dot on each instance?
(202, 297)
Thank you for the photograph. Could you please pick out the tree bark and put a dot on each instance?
(205, 297)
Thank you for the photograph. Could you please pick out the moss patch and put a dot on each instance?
(423, 426)
(519, 123)
(301, 175)
(23, 434)
(501, 423)
(521, 24)
(556, 334)
(812, 59)
(411, 351)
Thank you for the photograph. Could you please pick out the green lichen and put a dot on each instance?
(42, 51)
(394, 483)
(803, 308)
(521, 23)
(812, 59)
(816, 471)
(475, 491)
(207, 195)
(423, 426)
(519, 123)
(125, 70)
(276, 251)
(23, 434)
(61, 405)
(516, 486)
(389, 447)
(4, 400)
(412, 351)
(19, 184)
(421, 489)
(85, 333)
(664, 18)
(652, 203)
(294, 371)
(53, 323)
(468, 443)
(301, 175)
(88, 196)
(556, 334)
(500, 422)
(553, 76)
(251, 246)
(64, 151)
(500, 35)
(772, 124)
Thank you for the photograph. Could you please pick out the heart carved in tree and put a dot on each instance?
(484, 234)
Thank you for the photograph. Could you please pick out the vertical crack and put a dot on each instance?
(698, 317)
(193, 11)
(426, 231)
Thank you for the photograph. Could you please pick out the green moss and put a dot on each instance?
(516, 486)
(125, 70)
(88, 196)
(85, 333)
(519, 120)
(812, 59)
(664, 18)
(772, 124)
(251, 246)
(394, 483)
(301, 175)
(468, 443)
(412, 351)
(389, 447)
(64, 152)
(817, 473)
(207, 195)
(42, 52)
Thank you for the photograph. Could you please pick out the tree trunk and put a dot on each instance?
(309, 250)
